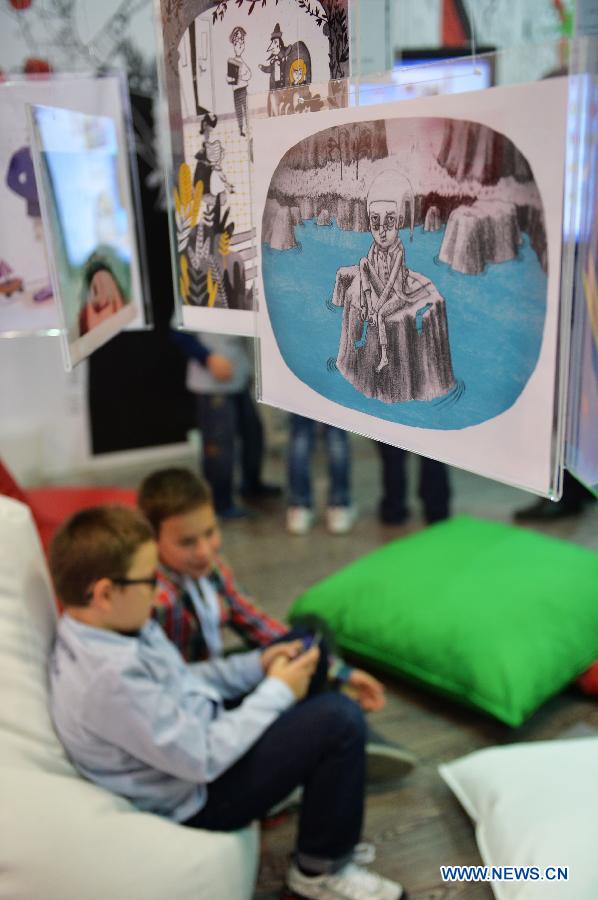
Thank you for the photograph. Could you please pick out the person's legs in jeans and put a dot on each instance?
(434, 489)
(339, 466)
(320, 744)
(301, 445)
(216, 419)
(251, 432)
(393, 509)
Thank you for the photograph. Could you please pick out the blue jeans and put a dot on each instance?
(223, 420)
(434, 487)
(302, 439)
(318, 743)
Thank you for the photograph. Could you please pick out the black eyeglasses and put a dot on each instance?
(152, 582)
(390, 221)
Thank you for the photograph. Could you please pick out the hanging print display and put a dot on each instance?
(82, 172)
(27, 302)
(215, 55)
(410, 263)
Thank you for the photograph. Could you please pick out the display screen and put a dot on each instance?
(425, 74)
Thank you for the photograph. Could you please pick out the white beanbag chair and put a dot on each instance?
(62, 838)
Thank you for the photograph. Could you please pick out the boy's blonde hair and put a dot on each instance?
(171, 492)
(95, 543)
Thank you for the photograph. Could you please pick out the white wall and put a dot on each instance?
(43, 418)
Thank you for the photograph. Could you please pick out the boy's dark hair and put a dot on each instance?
(171, 492)
(95, 543)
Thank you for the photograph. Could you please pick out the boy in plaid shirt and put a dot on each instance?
(197, 596)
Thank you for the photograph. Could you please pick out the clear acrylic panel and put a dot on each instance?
(475, 374)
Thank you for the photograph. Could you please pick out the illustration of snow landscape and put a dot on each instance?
(216, 54)
(405, 268)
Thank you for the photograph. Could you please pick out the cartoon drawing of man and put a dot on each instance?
(385, 282)
(275, 68)
(238, 75)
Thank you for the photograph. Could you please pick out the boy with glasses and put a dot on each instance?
(139, 721)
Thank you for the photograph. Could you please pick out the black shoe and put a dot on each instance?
(436, 516)
(231, 513)
(262, 491)
(544, 510)
(385, 760)
(392, 516)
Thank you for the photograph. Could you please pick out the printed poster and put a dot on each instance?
(410, 269)
(27, 303)
(215, 56)
(82, 172)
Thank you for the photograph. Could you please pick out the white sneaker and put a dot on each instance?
(299, 519)
(350, 883)
(340, 519)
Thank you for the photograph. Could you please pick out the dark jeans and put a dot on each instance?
(301, 446)
(320, 744)
(434, 488)
(222, 419)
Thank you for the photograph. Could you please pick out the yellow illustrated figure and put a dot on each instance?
(187, 202)
(298, 72)
(184, 278)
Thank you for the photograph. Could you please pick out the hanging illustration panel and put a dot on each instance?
(82, 173)
(410, 269)
(27, 303)
(216, 55)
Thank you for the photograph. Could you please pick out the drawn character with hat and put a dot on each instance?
(276, 68)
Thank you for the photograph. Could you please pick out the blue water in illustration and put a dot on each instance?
(495, 323)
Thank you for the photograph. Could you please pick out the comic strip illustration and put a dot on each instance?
(216, 56)
(410, 273)
(444, 220)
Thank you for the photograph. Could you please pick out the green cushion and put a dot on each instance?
(492, 615)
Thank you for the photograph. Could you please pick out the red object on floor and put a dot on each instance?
(51, 506)
(588, 682)
(20, 4)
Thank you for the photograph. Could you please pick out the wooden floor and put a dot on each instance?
(419, 825)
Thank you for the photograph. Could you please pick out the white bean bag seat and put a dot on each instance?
(63, 838)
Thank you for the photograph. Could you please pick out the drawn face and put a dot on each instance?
(275, 46)
(384, 222)
(297, 74)
(103, 291)
(239, 45)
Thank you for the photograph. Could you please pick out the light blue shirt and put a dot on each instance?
(138, 720)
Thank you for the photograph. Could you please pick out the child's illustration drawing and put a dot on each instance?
(392, 302)
(405, 268)
(238, 74)
(216, 55)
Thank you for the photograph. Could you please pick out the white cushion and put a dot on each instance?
(62, 838)
(534, 804)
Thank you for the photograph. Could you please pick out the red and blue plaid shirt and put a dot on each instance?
(175, 613)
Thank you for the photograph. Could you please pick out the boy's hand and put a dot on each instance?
(287, 649)
(220, 367)
(366, 690)
(296, 673)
